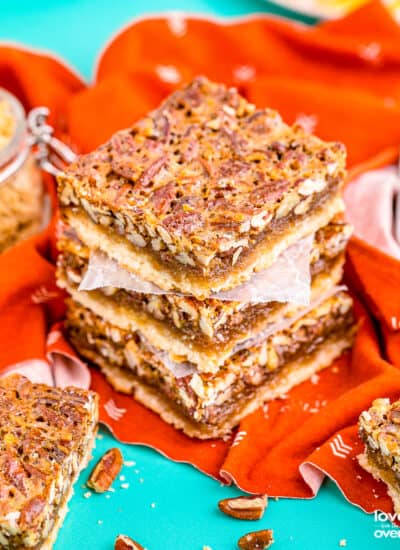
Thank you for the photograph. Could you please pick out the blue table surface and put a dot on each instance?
(170, 506)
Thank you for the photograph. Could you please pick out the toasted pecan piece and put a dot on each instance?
(257, 540)
(105, 471)
(245, 507)
(123, 542)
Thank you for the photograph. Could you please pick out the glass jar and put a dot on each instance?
(22, 197)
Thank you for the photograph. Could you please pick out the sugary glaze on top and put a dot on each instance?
(205, 173)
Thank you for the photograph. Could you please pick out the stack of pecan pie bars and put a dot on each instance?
(194, 200)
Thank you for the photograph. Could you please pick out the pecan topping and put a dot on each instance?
(122, 542)
(394, 416)
(124, 143)
(260, 122)
(161, 126)
(257, 540)
(163, 197)
(237, 143)
(105, 471)
(268, 193)
(152, 170)
(31, 510)
(244, 507)
(181, 222)
(213, 145)
(13, 471)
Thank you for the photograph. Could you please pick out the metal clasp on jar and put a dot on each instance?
(36, 137)
(50, 153)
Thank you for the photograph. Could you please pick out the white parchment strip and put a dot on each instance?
(286, 280)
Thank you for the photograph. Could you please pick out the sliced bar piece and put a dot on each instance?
(210, 405)
(379, 428)
(204, 191)
(202, 332)
(46, 436)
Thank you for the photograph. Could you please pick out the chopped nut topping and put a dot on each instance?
(123, 542)
(105, 471)
(45, 433)
(203, 168)
(250, 508)
(257, 540)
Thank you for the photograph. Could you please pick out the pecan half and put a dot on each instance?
(122, 542)
(105, 471)
(244, 507)
(394, 416)
(257, 540)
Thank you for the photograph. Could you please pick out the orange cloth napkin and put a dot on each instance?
(343, 78)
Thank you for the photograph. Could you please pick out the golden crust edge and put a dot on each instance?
(64, 509)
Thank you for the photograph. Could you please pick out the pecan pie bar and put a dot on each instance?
(209, 405)
(379, 428)
(46, 436)
(205, 332)
(204, 191)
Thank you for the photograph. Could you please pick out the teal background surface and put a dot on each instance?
(79, 29)
(170, 506)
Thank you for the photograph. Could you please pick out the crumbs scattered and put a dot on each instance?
(122, 478)
(99, 437)
(314, 378)
(100, 522)
(153, 505)
(124, 485)
(343, 542)
(314, 407)
(88, 494)
(129, 463)
(207, 548)
(141, 480)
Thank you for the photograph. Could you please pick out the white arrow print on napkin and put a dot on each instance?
(339, 447)
(113, 411)
(239, 438)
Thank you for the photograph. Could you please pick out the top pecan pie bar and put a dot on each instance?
(203, 191)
